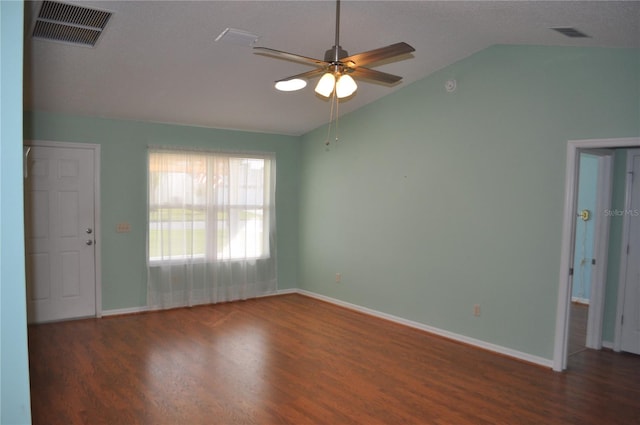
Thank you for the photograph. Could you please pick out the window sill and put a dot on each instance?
(195, 261)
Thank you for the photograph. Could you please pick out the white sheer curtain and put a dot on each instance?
(211, 235)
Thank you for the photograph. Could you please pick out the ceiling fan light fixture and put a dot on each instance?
(345, 86)
(291, 85)
(338, 63)
(326, 84)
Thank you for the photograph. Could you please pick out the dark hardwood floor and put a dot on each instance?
(296, 360)
(578, 328)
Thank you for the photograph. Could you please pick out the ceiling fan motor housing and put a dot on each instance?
(334, 54)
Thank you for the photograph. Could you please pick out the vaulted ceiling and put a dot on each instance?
(159, 61)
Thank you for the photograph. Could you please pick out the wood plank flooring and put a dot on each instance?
(296, 360)
(578, 328)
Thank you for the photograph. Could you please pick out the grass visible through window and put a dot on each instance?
(189, 239)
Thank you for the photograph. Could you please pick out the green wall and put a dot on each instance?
(432, 202)
(123, 190)
(14, 367)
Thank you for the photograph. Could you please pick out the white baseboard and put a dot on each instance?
(607, 344)
(131, 310)
(450, 335)
(282, 292)
(580, 300)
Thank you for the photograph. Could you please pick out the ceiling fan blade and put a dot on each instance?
(308, 74)
(370, 74)
(376, 55)
(289, 56)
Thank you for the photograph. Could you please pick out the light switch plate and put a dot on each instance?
(123, 227)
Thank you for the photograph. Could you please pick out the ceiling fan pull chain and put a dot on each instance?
(333, 98)
(337, 116)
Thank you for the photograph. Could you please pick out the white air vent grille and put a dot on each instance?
(70, 24)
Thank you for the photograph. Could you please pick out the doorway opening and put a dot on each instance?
(590, 253)
(602, 148)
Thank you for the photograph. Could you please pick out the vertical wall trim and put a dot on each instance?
(15, 404)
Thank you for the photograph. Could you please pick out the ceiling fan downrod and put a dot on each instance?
(336, 53)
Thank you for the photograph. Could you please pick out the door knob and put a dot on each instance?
(89, 230)
(89, 242)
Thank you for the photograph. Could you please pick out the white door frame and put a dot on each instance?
(96, 185)
(568, 236)
(622, 283)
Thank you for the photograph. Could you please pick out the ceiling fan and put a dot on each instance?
(338, 68)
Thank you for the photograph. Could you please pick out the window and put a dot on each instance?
(207, 206)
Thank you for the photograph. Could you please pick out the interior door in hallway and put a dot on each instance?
(59, 226)
(630, 340)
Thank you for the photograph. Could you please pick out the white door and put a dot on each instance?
(630, 339)
(601, 247)
(59, 226)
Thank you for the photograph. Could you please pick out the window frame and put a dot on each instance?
(267, 207)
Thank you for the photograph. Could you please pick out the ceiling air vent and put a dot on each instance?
(70, 24)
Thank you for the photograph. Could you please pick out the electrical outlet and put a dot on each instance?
(476, 310)
(338, 277)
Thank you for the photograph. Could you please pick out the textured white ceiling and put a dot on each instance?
(158, 61)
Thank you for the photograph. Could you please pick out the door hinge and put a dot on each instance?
(593, 261)
(571, 271)
(25, 165)
(628, 248)
(622, 319)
